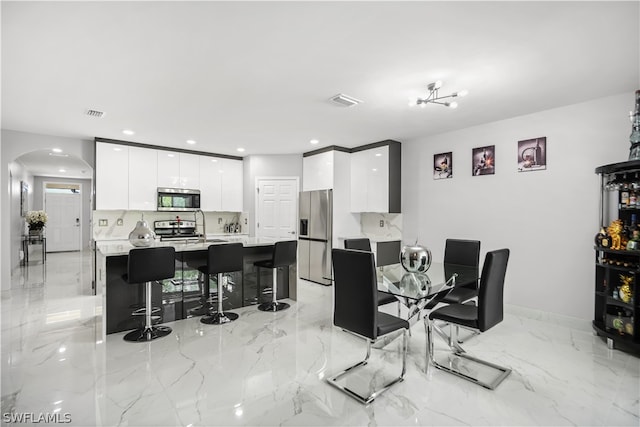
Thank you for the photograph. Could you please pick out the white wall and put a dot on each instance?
(17, 224)
(264, 166)
(547, 218)
(14, 144)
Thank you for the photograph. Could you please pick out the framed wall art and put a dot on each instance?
(483, 160)
(532, 154)
(443, 165)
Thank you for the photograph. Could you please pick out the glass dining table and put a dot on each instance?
(417, 291)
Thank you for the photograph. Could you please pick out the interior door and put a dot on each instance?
(63, 225)
(277, 208)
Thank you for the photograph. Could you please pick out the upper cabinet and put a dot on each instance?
(143, 188)
(210, 183)
(112, 176)
(232, 185)
(317, 171)
(128, 177)
(189, 171)
(168, 169)
(178, 170)
(375, 178)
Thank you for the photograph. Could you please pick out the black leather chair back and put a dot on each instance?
(490, 294)
(358, 244)
(224, 258)
(149, 264)
(462, 252)
(284, 253)
(355, 292)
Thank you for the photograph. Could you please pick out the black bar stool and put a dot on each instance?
(221, 259)
(146, 265)
(284, 254)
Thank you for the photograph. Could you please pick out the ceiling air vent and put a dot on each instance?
(345, 100)
(95, 113)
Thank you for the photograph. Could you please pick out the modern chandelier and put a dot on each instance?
(435, 98)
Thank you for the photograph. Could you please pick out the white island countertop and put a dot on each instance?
(373, 238)
(122, 247)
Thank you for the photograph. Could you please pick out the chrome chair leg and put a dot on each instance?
(333, 380)
(452, 341)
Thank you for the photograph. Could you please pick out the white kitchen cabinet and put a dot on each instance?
(210, 183)
(112, 176)
(317, 171)
(375, 179)
(143, 171)
(168, 169)
(189, 171)
(232, 185)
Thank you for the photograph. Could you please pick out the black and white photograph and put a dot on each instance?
(483, 160)
(443, 165)
(532, 154)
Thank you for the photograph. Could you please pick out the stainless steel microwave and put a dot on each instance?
(178, 199)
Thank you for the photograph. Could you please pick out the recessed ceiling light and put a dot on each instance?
(214, 160)
(171, 155)
(378, 154)
(314, 141)
(128, 132)
(117, 149)
(190, 141)
(241, 150)
(62, 170)
(57, 150)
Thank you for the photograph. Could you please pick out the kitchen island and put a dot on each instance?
(179, 296)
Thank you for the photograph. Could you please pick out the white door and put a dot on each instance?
(63, 225)
(277, 208)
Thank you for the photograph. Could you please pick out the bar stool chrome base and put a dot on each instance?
(219, 318)
(147, 334)
(273, 306)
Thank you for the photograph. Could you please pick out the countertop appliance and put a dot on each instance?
(178, 199)
(314, 237)
(175, 229)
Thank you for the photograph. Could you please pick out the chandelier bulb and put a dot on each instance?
(463, 92)
(452, 104)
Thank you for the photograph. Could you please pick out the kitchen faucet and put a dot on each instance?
(204, 224)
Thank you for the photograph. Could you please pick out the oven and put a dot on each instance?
(178, 199)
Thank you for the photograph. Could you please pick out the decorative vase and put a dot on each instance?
(142, 235)
(415, 259)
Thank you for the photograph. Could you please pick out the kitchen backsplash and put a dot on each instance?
(215, 222)
(391, 225)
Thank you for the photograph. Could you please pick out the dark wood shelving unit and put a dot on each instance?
(614, 319)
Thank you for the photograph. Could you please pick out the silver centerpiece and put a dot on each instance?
(415, 258)
(142, 235)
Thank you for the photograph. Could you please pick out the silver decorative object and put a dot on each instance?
(415, 259)
(142, 235)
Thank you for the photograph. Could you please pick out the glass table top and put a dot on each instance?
(394, 279)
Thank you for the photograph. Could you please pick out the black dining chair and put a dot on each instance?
(462, 252)
(364, 244)
(356, 311)
(487, 314)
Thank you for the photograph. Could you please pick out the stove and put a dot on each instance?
(177, 229)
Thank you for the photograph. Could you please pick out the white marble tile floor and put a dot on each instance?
(268, 369)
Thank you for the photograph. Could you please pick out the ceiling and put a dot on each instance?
(259, 75)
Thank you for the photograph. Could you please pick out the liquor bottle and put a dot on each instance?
(633, 199)
(600, 237)
(605, 242)
(624, 199)
(634, 138)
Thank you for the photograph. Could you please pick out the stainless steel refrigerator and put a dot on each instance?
(314, 238)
